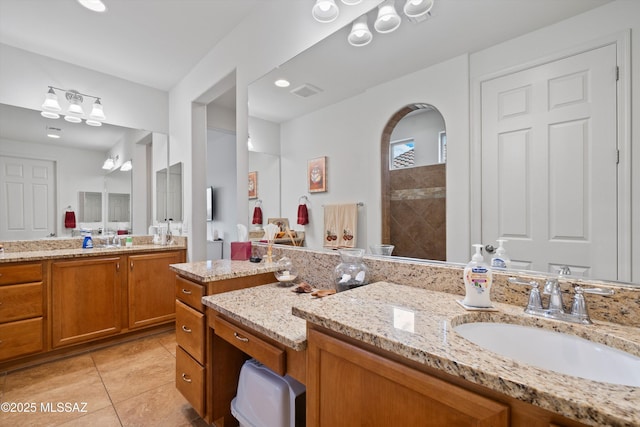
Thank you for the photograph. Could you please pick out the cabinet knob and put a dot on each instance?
(187, 330)
(186, 291)
(240, 337)
(117, 266)
(131, 265)
(186, 378)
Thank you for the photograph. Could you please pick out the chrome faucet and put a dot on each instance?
(555, 308)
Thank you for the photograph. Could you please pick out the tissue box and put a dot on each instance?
(240, 251)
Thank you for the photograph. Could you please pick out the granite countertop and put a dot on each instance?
(377, 315)
(221, 269)
(371, 314)
(36, 255)
(265, 309)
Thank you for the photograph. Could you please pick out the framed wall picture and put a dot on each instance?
(317, 175)
(253, 185)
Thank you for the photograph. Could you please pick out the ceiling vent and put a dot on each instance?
(306, 90)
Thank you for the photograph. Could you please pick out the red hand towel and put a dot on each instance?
(303, 214)
(70, 219)
(257, 215)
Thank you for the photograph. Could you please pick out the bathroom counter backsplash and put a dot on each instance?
(316, 267)
(32, 250)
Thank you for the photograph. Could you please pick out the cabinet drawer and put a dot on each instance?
(190, 330)
(20, 338)
(190, 293)
(266, 353)
(20, 273)
(20, 301)
(190, 380)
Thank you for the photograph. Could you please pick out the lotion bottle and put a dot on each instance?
(500, 259)
(477, 281)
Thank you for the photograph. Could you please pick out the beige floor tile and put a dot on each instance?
(160, 407)
(55, 392)
(106, 417)
(133, 368)
(168, 341)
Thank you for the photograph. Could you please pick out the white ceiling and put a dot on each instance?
(455, 27)
(150, 42)
(157, 42)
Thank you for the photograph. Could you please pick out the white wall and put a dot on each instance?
(25, 77)
(221, 161)
(352, 148)
(264, 40)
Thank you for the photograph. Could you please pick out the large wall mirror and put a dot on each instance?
(71, 176)
(341, 99)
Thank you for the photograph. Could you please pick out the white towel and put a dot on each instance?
(340, 225)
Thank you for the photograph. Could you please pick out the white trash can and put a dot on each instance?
(266, 399)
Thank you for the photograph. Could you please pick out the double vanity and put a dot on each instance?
(393, 353)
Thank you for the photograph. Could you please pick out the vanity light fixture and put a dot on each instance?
(325, 11)
(417, 9)
(75, 112)
(126, 166)
(110, 163)
(388, 19)
(54, 133)
(360, 34)
(93, 5)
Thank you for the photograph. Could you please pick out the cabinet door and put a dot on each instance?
(86, 299)
(350, 386)
(152, 288)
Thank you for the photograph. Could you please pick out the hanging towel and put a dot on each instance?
(257, 215)
(340, 225)
(70, 219)
(303, 214)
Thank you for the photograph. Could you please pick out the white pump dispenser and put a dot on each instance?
(477, 281)
(500, 259)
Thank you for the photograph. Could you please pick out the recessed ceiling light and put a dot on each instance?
(93, 5)
(282, 83)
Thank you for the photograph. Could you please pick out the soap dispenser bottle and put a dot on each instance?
(87, 243)
(500, 259)
(477, 281)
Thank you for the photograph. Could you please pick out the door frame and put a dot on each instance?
(622, 41)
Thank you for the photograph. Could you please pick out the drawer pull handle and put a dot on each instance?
(185, 378)
(240, 337)
(186, 291)
(187, 330)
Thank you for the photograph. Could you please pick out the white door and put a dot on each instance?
(549, 164)
(27, 192)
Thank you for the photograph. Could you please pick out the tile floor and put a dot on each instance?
(130, 384)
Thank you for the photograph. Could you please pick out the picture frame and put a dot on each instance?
(253, 185)
(317, 175)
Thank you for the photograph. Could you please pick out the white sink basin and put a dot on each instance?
(555, 351)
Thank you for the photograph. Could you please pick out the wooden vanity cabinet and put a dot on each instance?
(150, 288)
(350, 386)
(205, 363)
(352, 383)
(22, 309)
(86, 299)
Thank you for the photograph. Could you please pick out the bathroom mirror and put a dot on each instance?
(89, 206)
(174, 192)
(76, 160)
(316, 115)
